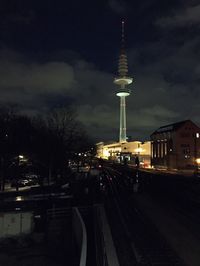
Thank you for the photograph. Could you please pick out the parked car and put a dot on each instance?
(19, 182)
(33, 179)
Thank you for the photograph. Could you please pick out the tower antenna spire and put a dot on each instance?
(123, 38)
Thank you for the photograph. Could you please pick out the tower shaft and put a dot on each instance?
(122, 131)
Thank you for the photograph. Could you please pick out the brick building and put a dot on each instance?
(176, 146)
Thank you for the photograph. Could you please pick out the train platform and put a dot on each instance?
(178, 234)
(163, 171)
(186, 173)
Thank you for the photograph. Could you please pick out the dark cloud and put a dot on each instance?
(157, 98)
(188, 15)
(67, 62)
(39, 86)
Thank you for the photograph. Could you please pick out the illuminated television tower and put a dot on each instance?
(122, 81)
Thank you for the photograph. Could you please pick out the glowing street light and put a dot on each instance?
(198, 160)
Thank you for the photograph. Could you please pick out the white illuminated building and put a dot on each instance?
(118, 151)
(123, 81)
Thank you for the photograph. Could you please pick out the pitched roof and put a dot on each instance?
(171, 127)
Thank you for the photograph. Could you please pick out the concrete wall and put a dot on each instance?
(15, 223)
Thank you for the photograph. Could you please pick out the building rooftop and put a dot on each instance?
(171, 127)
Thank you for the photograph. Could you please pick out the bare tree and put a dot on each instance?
(63, 135)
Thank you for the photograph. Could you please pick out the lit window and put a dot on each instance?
(158, 150)
(162, 149)
(154, 151)
(165, 148)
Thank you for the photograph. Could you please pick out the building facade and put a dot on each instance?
(128, 151)
(176, 146)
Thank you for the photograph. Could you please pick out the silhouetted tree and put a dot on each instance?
(49, 141)
(60, 136)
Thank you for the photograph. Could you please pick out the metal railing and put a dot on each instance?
(80, 236)
(56, 213)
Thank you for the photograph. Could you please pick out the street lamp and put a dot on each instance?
(198, 161)
(19, 158)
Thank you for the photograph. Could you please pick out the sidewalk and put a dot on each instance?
(185, 244)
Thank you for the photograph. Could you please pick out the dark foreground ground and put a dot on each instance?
(53, 247)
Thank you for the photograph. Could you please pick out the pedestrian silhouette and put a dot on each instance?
(137, 162)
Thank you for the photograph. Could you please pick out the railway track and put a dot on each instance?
(182, 204)
(137, 240)
(184, 200)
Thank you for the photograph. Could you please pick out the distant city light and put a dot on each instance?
(19, 198)
(138, 150)
(197, 135)
(106, 153)
(198, 160)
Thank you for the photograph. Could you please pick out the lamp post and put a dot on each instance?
(19, 159)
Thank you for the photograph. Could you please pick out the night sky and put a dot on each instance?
(61, 53)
